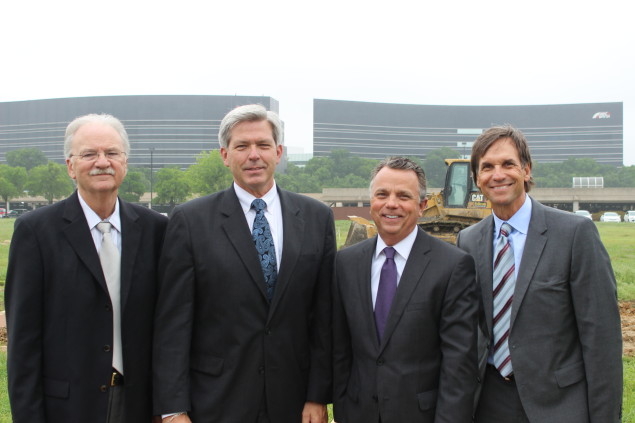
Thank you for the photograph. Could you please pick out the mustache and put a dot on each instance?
(107, 171)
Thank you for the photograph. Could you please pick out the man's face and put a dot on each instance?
(252, 156)
(501, 177)
(101, 175)
(394, 203)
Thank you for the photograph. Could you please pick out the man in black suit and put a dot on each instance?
(231, 344)
(552, 343)
(79, 332)
(404, 314)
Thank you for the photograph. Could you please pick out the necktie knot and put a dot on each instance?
(259, 205)
(104, 227)
(506, 229)
(389, 252)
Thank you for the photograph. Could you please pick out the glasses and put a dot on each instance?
(91, 156)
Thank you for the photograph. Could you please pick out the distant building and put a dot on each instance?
(169, 130)
(554, 132)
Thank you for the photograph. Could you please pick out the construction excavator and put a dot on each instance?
(459, 205)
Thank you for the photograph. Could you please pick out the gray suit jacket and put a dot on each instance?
(425, 369)
(221, 350)
(565, 336)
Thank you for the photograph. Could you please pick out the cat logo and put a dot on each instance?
(602, 115)
(477, 197)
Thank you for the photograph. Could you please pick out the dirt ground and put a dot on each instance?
(627, 310)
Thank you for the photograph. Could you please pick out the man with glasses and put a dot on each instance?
(80, 292)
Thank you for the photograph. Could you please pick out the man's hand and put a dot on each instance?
(181, 418)
(314, 413)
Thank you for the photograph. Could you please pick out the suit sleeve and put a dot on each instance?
(24, 304)
(342, 349)
(594, 295)
(320, 381)
(458, 333)
(173, 320)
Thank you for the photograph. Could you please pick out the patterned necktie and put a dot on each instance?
(385, 291)
(111, 266)
(264, 245)
(504, 284)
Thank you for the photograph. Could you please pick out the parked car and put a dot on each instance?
(629, 216)
(15, 213)
(584, 213)
(610, 217)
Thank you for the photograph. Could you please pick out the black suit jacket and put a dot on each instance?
(425, 368)
(565, 338)
(221, 350)
(59, 315)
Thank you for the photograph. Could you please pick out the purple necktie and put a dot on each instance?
(504, 285)
(385, 291)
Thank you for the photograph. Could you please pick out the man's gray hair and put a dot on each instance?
(104, 119)
(402, 163)
(249, 113)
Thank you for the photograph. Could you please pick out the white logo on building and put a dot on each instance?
(602, 115)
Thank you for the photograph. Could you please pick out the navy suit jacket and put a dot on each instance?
(222, 352)
(425, 368)
(59, 315)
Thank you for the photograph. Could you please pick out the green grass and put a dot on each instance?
(619, 240)
(628, 406)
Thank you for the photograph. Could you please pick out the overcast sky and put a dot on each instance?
(420, 52)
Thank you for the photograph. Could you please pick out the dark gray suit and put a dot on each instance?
(565, 338)
(425, 369)
(60, 319)
(222, 352)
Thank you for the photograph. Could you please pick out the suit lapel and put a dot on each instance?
(412, 275)
(130, 246)
(363, 273)
(484, 257)
(78, 236)
(535, 243)
(293, 239)
(237, 231)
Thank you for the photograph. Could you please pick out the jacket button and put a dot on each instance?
(106, 348)
(380, 362)
(103, 388)
(375, 399)
(108, 308)
(267, 330)
(261, 370)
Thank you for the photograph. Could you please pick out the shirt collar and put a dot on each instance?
(519, 221)
(403, 247)
(245, 198)
(93, 219)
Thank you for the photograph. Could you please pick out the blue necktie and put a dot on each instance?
(264, 245)
(385, 291)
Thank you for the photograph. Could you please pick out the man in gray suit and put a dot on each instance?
(405, 314)
(551, 324)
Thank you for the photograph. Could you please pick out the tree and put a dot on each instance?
(209, 174)
(50, 180)
(12, 180)
(26, 157)
(172, 186)
(134, 185)
(435, 167)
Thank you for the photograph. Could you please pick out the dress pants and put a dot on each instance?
(116, 404)
(499, 401)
